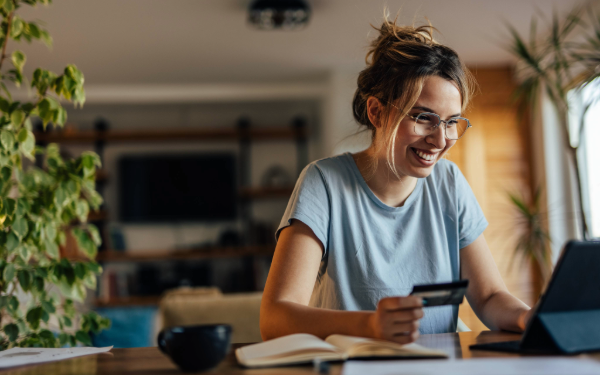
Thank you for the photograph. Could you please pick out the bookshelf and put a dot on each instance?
(203, 253)
(243, 134)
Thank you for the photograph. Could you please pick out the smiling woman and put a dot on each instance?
(362, 229)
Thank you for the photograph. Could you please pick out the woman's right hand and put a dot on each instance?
(397, 319)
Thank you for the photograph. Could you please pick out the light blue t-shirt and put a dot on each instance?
(373, 250)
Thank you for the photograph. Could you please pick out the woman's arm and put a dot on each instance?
(487, 293)
(284, 308)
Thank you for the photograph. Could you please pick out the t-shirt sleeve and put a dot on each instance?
(471, 220)
(310, 204)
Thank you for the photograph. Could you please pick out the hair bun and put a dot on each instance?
(396, 42)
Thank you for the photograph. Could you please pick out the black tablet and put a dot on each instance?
(567, 317)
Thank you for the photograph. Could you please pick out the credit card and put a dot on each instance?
(441, 294)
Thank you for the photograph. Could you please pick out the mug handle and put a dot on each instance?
(162, 344)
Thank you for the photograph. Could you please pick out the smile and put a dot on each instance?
(424, 155)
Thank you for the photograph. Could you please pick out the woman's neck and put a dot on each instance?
(389, 188)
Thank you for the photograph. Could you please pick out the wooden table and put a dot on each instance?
(151, 361)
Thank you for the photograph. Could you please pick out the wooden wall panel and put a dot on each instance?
(494, 159)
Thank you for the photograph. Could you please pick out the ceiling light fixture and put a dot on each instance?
(279, 14)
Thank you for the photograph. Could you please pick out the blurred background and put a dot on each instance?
(204, 121)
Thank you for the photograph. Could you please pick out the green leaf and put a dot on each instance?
(22, 207)
(45, 316)
(34, 30)
(25, 253)
(17, 24)
(12, 331)
(85, 243)
(9, 273)
(80, 270)
(67, 321)
(17, 118)
(94, 267)
(82, 209)
(28, 144)
(60, 197)
(7, 138)
(33, 317)
(13, 303)
(20, 227)
(22, 136)
(63, 339)
(52, 249)
(49, 307)
(38, 283)
(83, 337)
(10, 205)
(24, 279)
(45, 111)
(95, 234)
(6, 91)
(18, 60)
(46, 38)
(50, 231)
(4, 105)
(5, 173)
(12, 241)
(46, 334)
(61, 116)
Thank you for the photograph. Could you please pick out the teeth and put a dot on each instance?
(425, 156)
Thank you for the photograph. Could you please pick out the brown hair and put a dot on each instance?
(398, 62)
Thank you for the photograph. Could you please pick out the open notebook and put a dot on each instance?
(303, 348)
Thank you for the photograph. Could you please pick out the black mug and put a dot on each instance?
(196, 348)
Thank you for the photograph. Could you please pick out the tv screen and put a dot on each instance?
(183, 187)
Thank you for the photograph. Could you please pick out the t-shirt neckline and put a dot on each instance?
(361, 180)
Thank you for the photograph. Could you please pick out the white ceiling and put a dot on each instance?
(200, 41)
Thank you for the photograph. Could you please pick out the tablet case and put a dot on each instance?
(568, 332)
(574, 287)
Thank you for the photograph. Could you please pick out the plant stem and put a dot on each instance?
(7, 36)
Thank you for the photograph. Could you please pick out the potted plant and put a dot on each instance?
(568, 58)
(40, 204)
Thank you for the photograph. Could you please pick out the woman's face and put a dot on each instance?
(417, 154)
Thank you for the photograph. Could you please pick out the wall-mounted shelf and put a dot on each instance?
(127, 301)
(208, 253)
(196, 134)
(266, 192)
(242, 133)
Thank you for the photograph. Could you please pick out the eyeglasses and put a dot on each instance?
(454, 128)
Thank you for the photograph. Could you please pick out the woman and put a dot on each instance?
(361, 229)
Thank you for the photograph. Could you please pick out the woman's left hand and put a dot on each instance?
(524, 318)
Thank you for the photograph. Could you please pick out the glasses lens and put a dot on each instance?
(456, 127)
(426, 123)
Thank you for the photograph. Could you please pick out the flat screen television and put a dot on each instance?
(177, 187)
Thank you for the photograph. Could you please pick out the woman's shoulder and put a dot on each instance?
(331, 168)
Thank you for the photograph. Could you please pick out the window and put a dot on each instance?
(584, 127)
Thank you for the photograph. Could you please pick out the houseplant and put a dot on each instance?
(39, 205)
(567, 58)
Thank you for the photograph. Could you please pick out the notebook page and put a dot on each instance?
(356, 346)
(300, 342)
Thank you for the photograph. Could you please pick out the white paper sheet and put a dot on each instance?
(478, 366)
(28, 356)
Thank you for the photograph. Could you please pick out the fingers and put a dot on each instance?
(399, 303)
(397, 319)
(407, 315)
